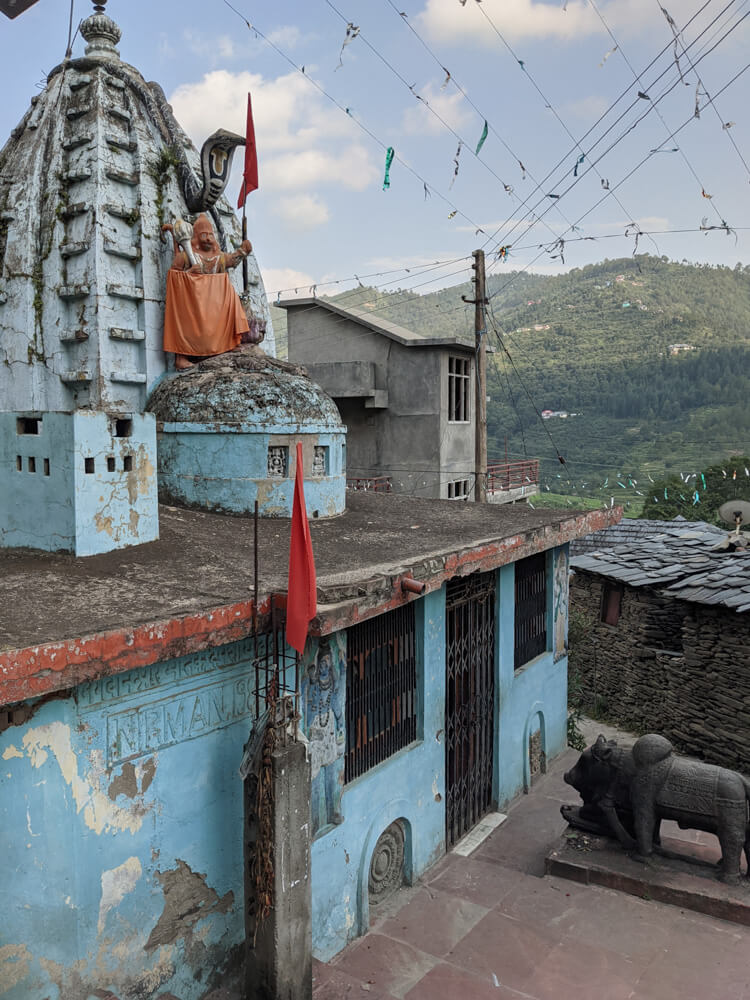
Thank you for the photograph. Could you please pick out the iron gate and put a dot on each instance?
(469, 702)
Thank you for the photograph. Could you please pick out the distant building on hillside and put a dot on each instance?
(675, 349)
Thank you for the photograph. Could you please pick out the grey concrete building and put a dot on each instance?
(408, 400)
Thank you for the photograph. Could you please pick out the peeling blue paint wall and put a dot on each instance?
(226, 468)
(535, 696)
(408, 786)
(121, 834)
(74, 484)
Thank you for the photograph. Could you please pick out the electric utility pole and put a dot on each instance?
(480, 422)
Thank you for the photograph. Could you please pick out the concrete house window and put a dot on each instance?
(381, 690)
(530, 627)
(459, 389)
(458, 489)
(611, 602)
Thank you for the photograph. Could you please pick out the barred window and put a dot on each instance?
(381, 690)
(458, 489)
(458, 390)
(531, 608)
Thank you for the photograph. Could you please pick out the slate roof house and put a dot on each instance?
(664, 622)
(142, 642)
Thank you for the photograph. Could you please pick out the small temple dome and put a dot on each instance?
(227, 432)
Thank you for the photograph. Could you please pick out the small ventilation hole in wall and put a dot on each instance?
(123, 428)
(32, 465)
(88, 465)
(28, 425)
(110, 464)
(19, 462)
(46, 466)
(127, 463)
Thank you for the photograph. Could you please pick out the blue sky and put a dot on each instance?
(321, 214)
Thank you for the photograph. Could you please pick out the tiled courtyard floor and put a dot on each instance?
(489, 927)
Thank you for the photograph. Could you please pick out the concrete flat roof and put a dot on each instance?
(66, 619)
(401, 334)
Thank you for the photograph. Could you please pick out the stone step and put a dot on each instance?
(77, 175)
(79, 82)
(125, 292)
(120, 113)
(122, 177)
(73, 249)
(77, 140)
(120, 333)
(131, 215)
(74, 209)
(73, 113)
(72, 292)
(115, 142)
(129, 253)
(128, 378)
(82, 375)
(73, 336)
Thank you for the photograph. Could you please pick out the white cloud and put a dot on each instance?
(302, 211)
(448, 21)
(451, 107)
(301, 143)
(351, 167)
(286, 37)
(588, 108)
(279, 279)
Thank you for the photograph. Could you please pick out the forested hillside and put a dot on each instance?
(652, 357)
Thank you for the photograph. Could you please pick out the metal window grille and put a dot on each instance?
(458, 390)
(381, 690)
(469, 701)
(531, 608)
(458, 489)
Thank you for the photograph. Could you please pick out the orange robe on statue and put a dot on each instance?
(203, 314)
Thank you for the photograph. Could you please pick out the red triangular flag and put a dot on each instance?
(250, 175)
(301, 603)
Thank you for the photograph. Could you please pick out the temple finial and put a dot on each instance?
(101, 33)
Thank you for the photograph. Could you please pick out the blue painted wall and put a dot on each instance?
(75, 485)
(226, 468)
(121, 809)
(535, 696)
(409, 786)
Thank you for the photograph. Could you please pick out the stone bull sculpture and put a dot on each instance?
(629, 792)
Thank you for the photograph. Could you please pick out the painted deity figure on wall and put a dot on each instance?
(203, 314)
(324, 673)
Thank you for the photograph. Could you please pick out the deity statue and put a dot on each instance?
(204, 315)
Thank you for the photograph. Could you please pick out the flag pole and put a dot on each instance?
(244, 237)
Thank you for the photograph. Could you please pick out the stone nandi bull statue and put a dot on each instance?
(628, 793)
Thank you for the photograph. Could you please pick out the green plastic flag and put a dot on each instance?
(388, 161)
(482, 137)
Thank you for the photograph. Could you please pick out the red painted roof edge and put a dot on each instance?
(56, 666)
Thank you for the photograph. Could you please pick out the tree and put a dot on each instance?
(724, 481)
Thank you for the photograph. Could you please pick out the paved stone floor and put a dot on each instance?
(489, 927)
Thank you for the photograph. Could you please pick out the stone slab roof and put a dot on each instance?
(64, 619)
(674, 555)
(401, 334)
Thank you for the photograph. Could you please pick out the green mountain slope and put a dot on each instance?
(652, 356)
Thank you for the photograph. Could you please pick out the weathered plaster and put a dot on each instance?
(116, 884)
(100, 814)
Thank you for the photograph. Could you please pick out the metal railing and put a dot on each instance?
(372, 484)
(512, 475)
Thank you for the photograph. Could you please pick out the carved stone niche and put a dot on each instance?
(387, 864)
